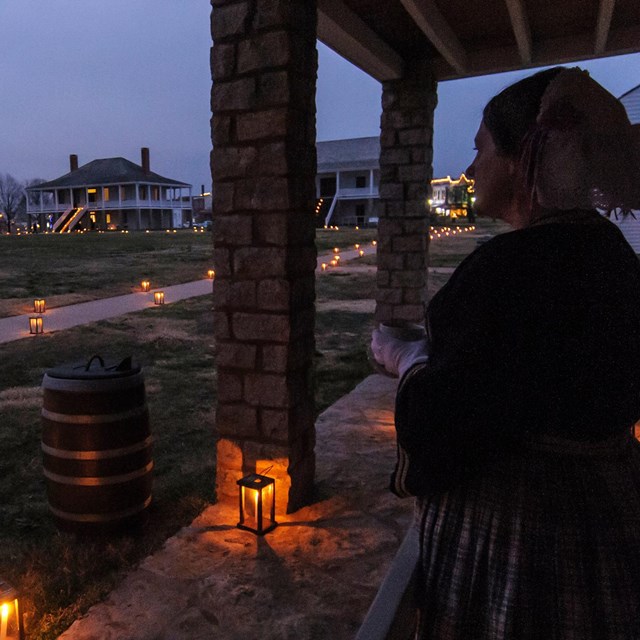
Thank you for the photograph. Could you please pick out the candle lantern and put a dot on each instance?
(323, 266)
(11, 622)
(39, 305)
(257, 496)
(36, 325)
(145, 285)
(361, 253)
(211, 274)
(158, 297)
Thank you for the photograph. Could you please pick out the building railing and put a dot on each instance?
(110, 205)
(364, 192)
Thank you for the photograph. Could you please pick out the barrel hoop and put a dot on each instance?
(100, 385)
(100, 517)
(93, 481)
(96, 455)
(102, 418)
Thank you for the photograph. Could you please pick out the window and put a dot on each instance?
(361, 182)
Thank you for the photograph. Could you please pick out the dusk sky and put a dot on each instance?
(102, 79)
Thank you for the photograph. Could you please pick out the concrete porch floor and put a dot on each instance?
(312, 578)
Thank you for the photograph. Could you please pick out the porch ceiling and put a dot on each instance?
(470, 37)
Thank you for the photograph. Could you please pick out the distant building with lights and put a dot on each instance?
(452, 198)
(109, 194)
(347, 182)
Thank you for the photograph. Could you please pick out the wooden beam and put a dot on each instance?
(563, 50)
(347, 34)
(520, 26)
(605, 12)
(427, 16)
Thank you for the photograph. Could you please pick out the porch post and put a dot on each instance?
(264, 64)
(406, 170)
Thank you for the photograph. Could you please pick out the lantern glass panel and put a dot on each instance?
(158, 297)
(11, 625)
(35, 325)
(39, 305)
(145, 285)
(257, 503)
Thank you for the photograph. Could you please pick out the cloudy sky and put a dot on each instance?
(102, 79)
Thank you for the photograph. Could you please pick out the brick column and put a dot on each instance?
(264, 65)
(406, 156)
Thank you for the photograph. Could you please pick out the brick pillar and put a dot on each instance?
(263, 164)
(406, 155)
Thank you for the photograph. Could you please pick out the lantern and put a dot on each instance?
(257, 496)
(361, 253)
(39, 305)
(211, 274)
(145, 285)
(323, 266)
(158, 297)
(11, 623)
(336, 250)
(36, 325)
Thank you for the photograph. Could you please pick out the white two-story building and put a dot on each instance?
(109, 194)
(347, 182)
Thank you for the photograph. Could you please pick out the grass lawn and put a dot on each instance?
(70, 268)
(62, 576)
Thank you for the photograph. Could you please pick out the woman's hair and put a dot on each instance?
(511, 114)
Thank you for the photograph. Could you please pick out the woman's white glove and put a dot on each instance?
(395, 355)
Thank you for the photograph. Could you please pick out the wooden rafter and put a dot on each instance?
(347, 34)
(520, 25)
(605, 12)
(427, 16)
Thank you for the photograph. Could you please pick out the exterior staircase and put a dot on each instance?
(68, 220)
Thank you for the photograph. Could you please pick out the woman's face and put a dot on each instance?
(494, 179)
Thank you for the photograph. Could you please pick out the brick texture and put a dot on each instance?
(405, 173)
(263, 164)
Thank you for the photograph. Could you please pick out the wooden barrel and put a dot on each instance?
(96, 446)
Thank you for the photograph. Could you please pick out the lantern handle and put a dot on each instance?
(92, 359)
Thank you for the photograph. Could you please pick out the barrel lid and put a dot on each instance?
(97, 368)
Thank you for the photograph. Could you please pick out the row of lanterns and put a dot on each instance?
(335, 261)
(439, 232)
(36, 322)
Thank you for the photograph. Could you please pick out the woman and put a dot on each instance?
(515, 432)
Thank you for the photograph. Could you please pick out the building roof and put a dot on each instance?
(631, 102)
(352, 153)
(107, 171)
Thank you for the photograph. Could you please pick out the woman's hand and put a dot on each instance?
(397, 356)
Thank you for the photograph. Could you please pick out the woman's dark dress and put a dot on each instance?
(516, 438)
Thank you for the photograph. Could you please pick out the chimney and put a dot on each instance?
(145, 159)
(73, 162)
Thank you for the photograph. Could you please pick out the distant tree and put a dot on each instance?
(12, 198)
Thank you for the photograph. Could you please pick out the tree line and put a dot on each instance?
(13, 198)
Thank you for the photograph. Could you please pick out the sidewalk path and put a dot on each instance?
(58, 318)
(312, 578)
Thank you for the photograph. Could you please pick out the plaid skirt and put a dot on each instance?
(544, 545)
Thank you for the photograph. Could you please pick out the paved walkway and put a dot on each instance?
(312, 578)
(59, 318)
